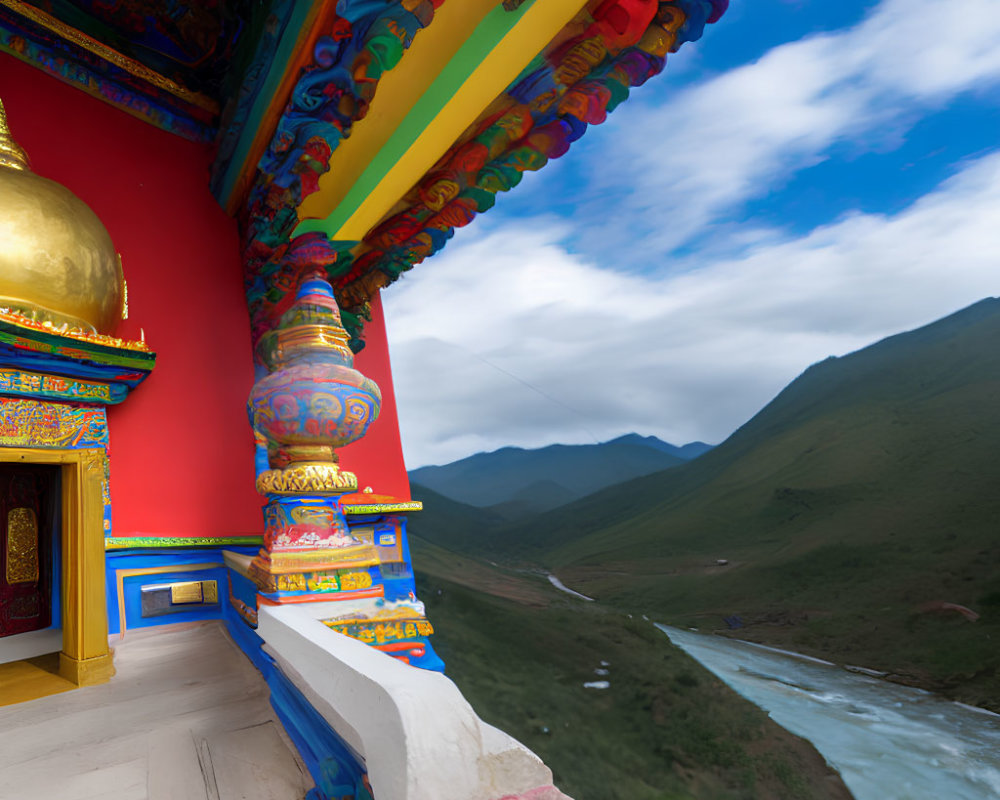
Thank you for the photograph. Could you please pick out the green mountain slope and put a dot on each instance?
(447, 523)
(534, 499)
(859, 500)
(489, 479)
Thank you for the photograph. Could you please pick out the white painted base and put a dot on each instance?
(419, 738)
(28, 645)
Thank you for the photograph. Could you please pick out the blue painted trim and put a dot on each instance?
(180, 561)
(337, 771)
(333, 766)
(13, 358)
(243, 589)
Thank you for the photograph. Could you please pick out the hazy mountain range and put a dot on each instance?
(516, 482)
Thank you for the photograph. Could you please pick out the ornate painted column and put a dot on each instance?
(311, 402)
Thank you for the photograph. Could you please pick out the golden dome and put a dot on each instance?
(57, 261)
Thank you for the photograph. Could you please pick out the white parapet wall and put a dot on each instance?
(418, 736)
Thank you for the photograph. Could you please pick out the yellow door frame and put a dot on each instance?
(85, 658)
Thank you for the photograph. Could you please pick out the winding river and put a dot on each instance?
(888, 742)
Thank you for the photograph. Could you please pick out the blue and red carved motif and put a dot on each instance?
(315, 404)
(305, 523)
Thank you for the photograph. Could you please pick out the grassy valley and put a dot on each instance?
(854, 511)
(521, 652)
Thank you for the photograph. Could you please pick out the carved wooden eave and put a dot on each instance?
(40, 361)
(399, 122)
(173, 65)
(357, 135)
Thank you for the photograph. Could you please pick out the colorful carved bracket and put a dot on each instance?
(576, 82)
(359, 41)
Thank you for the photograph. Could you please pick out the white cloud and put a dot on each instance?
(510, 337)
(668, 172)
(684, 356)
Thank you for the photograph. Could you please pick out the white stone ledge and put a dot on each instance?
(418, 736)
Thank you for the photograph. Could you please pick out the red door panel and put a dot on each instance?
(27, 496)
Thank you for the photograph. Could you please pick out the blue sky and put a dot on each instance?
(806, 179)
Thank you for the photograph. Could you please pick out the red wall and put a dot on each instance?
(378, 458)
(181, 448)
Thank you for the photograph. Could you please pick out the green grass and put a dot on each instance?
(665, 729)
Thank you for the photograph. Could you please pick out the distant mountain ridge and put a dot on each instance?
(516, 481)
(687, 452)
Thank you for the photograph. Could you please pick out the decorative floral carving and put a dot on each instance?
(22, 546)
(307, 479)
(360, 41)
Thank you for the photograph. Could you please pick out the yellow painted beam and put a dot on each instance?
(398, 91)
(536, 28)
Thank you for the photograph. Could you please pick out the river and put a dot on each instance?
(562, 587)
(888, 742)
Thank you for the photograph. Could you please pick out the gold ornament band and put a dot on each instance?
(307, 479)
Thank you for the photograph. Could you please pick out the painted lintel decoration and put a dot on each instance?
(34, 423)
(171, 63)
(33, 384)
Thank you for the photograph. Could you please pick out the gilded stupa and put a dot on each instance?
(57, 261)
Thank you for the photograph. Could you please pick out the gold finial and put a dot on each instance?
(12, 155)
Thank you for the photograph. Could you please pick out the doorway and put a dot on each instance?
(52, 510)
